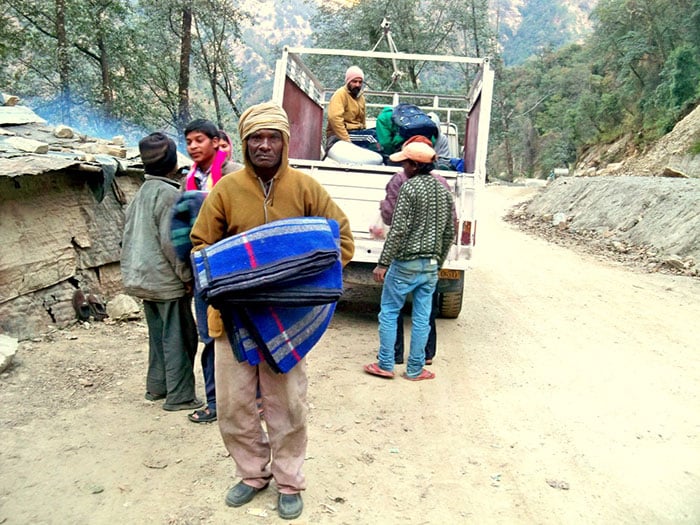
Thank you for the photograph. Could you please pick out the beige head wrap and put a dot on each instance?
(267, 115)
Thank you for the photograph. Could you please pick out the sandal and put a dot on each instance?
(154, 397)
(206, 415)
(424, 374)
(373, 368)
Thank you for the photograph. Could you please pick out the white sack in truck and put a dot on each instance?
(344, 152)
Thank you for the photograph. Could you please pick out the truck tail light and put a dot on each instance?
(468, 233)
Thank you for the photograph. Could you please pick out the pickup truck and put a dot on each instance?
(358, 188)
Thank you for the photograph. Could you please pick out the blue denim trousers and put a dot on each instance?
(418, 277)
(207, 358)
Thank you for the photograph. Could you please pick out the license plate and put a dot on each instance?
(448, 274)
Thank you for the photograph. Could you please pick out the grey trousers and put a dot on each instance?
(172, 346)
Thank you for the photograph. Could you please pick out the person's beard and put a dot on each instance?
(355, 92)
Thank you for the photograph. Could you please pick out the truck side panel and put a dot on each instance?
(471, 137)
(306, 123)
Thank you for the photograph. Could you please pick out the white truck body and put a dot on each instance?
(358, 188)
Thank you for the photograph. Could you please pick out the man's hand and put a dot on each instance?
(379, 272)
(189, 288)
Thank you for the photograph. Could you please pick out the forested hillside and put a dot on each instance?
(569, 73)
(635, 75)
(527, 28)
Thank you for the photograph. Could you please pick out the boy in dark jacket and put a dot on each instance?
(152, 272)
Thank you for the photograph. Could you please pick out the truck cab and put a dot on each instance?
(358, 189)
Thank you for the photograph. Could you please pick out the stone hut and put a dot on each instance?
(62, 202)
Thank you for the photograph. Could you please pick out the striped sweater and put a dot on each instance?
(422, 225)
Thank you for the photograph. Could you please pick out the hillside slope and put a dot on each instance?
(671, 155)
(652, 223)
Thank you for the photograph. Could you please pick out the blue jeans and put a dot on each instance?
(430, 346)
(208, 373)
(207, 359)
(419, 277)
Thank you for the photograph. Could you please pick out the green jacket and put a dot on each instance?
(422, 225)
(387, 134)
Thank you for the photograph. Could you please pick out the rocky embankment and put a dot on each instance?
(652, 223)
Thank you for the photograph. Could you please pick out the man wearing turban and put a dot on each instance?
(265, 190)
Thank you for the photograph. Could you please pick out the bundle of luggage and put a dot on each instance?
(396, 125)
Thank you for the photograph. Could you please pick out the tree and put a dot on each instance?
(423, 27)
(90, 63)
(62, 60)
(635, 40)
(217, 33)
(183, 79)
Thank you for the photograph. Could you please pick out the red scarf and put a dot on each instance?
(214, 173)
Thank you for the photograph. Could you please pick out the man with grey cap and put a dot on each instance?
(151, 271)
(265, 190)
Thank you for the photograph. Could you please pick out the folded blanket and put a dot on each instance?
(185, 211)
(267, 255)
(280, 336)
(324, 287)
(275, 286)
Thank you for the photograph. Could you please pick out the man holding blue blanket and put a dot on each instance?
(265, 190)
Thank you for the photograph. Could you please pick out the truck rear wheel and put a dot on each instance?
(449, 304)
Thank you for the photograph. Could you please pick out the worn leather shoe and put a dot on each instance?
(240, 494)
(289, 506)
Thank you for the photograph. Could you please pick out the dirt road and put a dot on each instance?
(568, 391)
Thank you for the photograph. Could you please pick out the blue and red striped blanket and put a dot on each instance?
(276, 287)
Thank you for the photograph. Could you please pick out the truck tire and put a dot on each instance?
(449, 304)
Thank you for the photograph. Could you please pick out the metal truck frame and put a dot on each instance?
(358, 189)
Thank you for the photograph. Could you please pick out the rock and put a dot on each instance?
(27, 145)
(674, 262)
(118, 140)
(619, 247)
(94, 148)
(670, 172)
(558, 484)
(8, 349)
(63, 132)
(123, 308)
(8, 100)
(558, 219)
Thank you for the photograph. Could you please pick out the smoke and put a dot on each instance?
(84, 119)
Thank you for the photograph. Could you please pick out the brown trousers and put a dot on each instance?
(258, 456)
